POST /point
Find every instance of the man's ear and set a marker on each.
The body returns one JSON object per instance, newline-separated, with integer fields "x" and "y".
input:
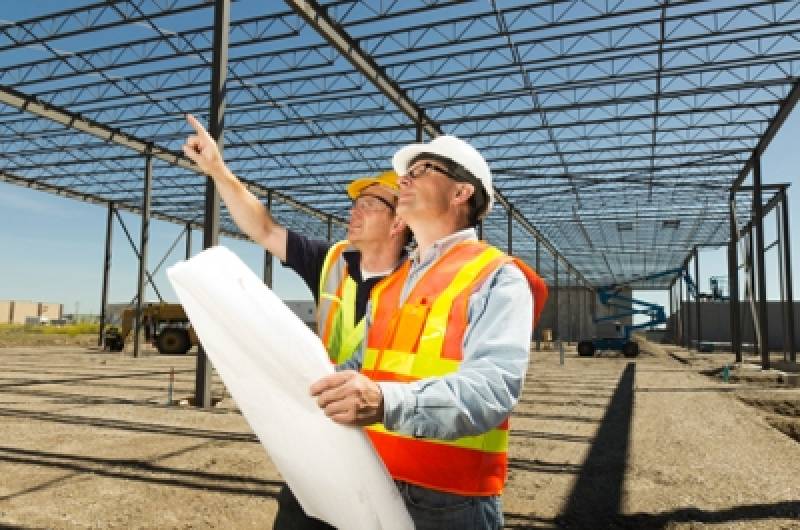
{"x": 464, "y": 191}
{"x": 398, "y": 226}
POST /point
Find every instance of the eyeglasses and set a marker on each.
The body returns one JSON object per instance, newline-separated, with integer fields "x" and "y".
{"x": 371, "y": 203}
{"x": 420, "y": 170}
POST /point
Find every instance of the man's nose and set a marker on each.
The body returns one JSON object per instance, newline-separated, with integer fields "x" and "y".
{"x": 404, "y": 179}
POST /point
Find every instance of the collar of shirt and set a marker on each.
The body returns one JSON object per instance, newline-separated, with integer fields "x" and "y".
{"x": 352, "y": 257}
{"x": 440, "y": 246}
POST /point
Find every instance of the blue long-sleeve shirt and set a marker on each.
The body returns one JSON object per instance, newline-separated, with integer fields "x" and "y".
{"x": 482, "y": 392}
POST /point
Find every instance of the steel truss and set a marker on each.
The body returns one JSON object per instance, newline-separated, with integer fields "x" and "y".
{"x": 615, "y": 131}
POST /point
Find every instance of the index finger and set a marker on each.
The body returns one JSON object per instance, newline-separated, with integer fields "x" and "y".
{"x": 198, "y": 127}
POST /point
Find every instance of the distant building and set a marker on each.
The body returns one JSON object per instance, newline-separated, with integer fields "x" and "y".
{"x": 22, "y": 311}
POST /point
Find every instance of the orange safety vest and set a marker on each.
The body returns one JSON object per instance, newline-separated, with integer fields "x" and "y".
{"x": 336, "y": 306}
{"x": 424, "y": 337}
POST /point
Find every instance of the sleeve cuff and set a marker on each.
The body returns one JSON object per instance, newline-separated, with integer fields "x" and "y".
{"x": 399, "y": 404}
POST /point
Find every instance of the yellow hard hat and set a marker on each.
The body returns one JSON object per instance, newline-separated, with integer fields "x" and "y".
{"x": 387, "y": 178}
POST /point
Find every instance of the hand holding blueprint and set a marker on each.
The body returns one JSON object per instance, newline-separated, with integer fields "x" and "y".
{"x": 268, "y": 359}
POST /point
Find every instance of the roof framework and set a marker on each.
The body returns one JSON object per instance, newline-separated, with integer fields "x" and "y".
{"x": 615, "y": 130}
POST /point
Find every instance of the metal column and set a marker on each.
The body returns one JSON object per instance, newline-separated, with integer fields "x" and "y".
{"x": 143, "y": 244}
{"x": 787, "y": 265}
{"x": 733, "y": 286}
{"x": 188, "y": 240}
{"x": 537, "y": 333}
{"x": 697, "y": 318}
{"x": 330, "y": 228}
{"x": 671, "y": 314}
{"x": 219, "y": 68}
{"x": 267, "y": 254}
{"x": 758, "y": 214}
{"x": 510, "y": 230}
{"x": 556, "y": 336}
{"x": 106, "y": 272}
{"x": 569, "y": 305}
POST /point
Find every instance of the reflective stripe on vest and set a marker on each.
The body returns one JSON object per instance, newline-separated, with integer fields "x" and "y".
{"x": 336, "y": 308}
{"x": 424, "y": 338}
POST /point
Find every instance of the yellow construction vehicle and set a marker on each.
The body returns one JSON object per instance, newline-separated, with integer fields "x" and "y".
{"x": 165, "y": 325}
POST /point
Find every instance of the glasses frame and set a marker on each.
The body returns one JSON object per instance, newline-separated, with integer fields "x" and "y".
{"x": 418, "y": 172}
{"x": 386, "y": 203}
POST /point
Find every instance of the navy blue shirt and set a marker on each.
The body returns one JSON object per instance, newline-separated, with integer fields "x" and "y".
{"x": 307, "y": 256}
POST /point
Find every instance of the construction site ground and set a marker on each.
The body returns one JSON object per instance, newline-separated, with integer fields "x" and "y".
{"x": 88, "y": 440}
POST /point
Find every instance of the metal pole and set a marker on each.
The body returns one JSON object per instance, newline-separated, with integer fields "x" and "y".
{"x": 267, "y": 254}
{"x": 751, "y": 241}
{"x": 758, "y": 212}
{"x": 330, "y": 228}
{"x": 188, "y": 240}
{"x": 480, "y": 230}
{"x": 569, "y": 305}
{"x": 698, "y": 327}
{"x": 510, "y": 230}
{"x": 143, "y": 244}
{"x": 787, "y": 260}
{"x": 537, "y": 333}
{"x": 556, "y": 335}
{"x": 106, "y": 273}
{"x": 733, "y": 287}
{"x": 219, "y": 68}
{"x": 670, "y": 316}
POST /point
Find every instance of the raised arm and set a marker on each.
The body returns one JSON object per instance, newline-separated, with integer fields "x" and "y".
{"x": 250, "y": 215}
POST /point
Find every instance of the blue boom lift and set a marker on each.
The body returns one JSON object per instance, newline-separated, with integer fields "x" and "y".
{"x": 610, "y": 296}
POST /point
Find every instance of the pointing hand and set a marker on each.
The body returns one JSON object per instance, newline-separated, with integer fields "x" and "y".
{"x": 201, "y": 148}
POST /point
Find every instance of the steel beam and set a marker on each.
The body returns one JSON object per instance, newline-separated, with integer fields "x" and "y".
{"x": 787, "y": 267}
{"x": 698, "y": 319}
{"x": 106, "y": 273}
{"x": 267, "y": 253}
{"x": 758, "y": 220}
{"x": 144, "y": 243}
{"x": 733, "y": 287}
{"x": 219, "y": 67}
{"x": 188, "y": 240}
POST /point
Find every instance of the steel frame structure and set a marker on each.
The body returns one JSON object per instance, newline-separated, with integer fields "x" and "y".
{"x": 617, "y": 132}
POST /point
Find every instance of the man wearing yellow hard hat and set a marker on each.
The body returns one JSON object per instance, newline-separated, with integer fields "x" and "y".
{"x": 340, "y": 275}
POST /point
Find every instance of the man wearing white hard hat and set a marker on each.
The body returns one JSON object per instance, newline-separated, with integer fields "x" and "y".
{"x": 447, "y": 346}
{"x": 340, "y": 275}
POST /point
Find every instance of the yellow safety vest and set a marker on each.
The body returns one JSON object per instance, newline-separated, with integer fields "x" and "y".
{"x": 336, "y": 307}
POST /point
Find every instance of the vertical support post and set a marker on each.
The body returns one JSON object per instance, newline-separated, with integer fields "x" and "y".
{"x": 687, "y": 332}
{"x": 752, "y": 289}
{"x": 697, "y": 318}
{"x": 556, "y": 306}
{"x": 510, "y": 230}
{"x": 330, "y": 228}
{"x": 267, "y": 254}
{"x": 143, "y": 244}
{"x": 480, "y": 229}
{"x": 106, "y": 273}
{"x": 787, "y": 266}
{"x": 188, "y": 240}
{"x": 537, "y": 333}
{"x": 219, "y": 68}
{"x": 420, "y": 129}
{"x": 758, "y": 221}
{"x": 569, "y": 305}
{"x": 670, "y": 313}
{"x": 733, "y": 285}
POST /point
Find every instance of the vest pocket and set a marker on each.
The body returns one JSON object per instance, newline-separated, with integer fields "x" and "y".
{"x": 409, "y": 327}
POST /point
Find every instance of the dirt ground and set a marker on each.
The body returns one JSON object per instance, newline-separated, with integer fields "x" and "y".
{"x": 87, "y": 440}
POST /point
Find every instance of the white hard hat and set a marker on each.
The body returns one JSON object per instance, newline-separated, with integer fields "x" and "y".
{"x": 457, "y": 151}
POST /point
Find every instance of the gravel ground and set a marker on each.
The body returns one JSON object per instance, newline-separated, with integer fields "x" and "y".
{"x": 87, "y": 441}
